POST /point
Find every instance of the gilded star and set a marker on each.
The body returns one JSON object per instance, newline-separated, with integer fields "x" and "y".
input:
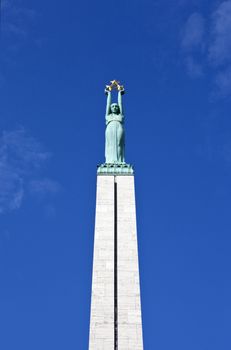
{"x": 115, "y": 82}
{"x": 108, "y": 87}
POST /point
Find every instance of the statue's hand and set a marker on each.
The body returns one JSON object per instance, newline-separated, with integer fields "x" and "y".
{"x": 121, "y": 90}
{"x": 107, "y": 91}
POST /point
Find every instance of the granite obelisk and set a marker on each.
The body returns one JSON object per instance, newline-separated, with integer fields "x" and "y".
{"x": 115, "y": 322}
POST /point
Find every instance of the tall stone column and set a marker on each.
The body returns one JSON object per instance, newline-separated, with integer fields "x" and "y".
{"x": 115, "y": 322}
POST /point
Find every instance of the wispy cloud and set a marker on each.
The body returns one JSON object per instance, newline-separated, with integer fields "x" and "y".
{"x": 22, "y": 150}
{"x": 17, "y": 30}
{"x": 193, "y": 32}
{"x": 220, "y": 45}
{"x": 223, "y": 82}
{"x": 11, "y": 188}
{"x": 21, "y": 157}
{"x": 212, "y": 50}
{"x": 16, "y": 20}
{"x": 219, "y": 52}
{"x": 192, "y": 44}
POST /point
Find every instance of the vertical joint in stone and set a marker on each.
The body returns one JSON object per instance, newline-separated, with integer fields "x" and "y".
{"x": 115, "y": 270}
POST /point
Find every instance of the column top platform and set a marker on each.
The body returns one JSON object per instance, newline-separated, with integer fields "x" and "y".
{"x": 115, "y": 169}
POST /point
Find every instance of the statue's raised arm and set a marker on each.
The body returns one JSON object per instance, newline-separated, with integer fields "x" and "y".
{"x": 120, "y": 104}
{"x": 108, "y": 106}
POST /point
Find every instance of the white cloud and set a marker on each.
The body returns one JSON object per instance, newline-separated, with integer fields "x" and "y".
{"x": 220, "y": 46}
{"x": 11, "y": 188}
{"x": 23, "y": 151}
{"x": 223, "y": 82}
{"x": 211, "y": 51}
{"x": 14, "y": 29}
{"x": 193, "y": 32}
{"x": 21, "y": 156}
{"x": 192, "y": 44}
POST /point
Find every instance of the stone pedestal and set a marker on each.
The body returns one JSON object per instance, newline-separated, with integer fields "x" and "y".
{"x": 115, "y": 322}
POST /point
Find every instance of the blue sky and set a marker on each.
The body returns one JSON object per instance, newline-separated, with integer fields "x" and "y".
{"x": 174, "y": 59}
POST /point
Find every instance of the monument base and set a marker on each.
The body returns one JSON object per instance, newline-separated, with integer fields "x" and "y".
{"x": 115, "y": 169}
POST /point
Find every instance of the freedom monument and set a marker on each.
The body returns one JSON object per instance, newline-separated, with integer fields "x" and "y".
{"x": 115, "y": 322}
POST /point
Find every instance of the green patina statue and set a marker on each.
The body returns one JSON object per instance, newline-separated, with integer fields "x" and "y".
{"x": 114, "y": 135}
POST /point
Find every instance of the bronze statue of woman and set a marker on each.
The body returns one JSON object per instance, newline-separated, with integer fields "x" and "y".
{"x": 114, "y": 135}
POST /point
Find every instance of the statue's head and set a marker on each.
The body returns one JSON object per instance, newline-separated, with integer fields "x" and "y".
{"x": 115, "y": 108}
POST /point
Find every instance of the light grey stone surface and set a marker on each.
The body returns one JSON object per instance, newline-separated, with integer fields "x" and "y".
{"x": 102, "y": 304}
{"x": 102, "y": 299}
{"x": 129, "y": 308}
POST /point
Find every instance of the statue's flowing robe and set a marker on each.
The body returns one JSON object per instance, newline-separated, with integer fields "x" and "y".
{"x": 114, "y": 147}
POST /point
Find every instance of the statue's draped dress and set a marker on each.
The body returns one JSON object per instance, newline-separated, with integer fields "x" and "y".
{"x": 114, "y": 148}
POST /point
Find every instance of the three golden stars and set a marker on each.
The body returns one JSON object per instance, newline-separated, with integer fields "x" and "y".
{"x": 115, "y": 84}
